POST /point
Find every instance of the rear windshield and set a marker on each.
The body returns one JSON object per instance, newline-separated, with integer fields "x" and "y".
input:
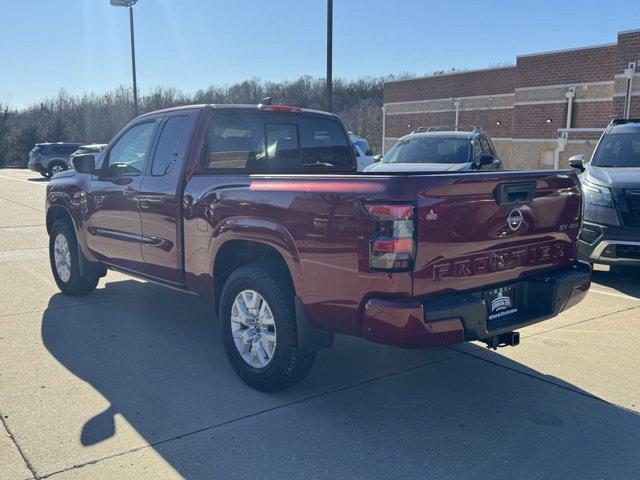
{"x": 278, "y": 143}
{"x": 430, "y": 150}
{"x": 618, "y": 150}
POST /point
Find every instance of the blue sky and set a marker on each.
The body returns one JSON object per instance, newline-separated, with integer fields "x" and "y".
{"x": 83, "y": 45}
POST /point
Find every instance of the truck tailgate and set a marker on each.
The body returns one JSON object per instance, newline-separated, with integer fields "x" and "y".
{"x": 486, "y": 228}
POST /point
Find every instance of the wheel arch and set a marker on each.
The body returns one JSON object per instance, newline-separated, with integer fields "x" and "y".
{"x": 88, "y": 264}
{"x": 57, "y": 212}
{"x": 235, "y": 253}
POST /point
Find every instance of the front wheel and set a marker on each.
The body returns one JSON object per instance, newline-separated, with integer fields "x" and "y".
{"x": 259, "y": 328}
{"x": 63, "y": 255}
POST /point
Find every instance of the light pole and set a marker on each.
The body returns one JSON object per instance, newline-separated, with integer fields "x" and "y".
{"x": 329, "y": 55}
{"x": 129, "y": 4}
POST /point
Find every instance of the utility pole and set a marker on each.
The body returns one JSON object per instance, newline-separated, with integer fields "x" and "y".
{"x": 133, "y": 63}
{"x": 129, "y": 4}
{"x": 329, "y": 55}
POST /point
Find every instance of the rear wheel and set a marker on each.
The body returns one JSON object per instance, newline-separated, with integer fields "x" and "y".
{"x": 56, "y": 167}
{"x": 259, "y": 328}
{"x": 63, "y": 255}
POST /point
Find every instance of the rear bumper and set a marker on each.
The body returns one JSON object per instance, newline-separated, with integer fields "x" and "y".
{"x": 609, "y": 245}
{"x": 35, "y": 166}
{"x": 455, "y": 318}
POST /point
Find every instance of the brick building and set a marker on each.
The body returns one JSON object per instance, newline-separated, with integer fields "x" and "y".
{"x": 539, "y": 112}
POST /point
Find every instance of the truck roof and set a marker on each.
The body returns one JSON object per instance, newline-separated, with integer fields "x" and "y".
{"x": 57, "y": 143}
{"x": 235, "y": 108}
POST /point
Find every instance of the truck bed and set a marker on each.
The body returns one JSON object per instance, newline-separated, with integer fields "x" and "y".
{"x": 318, "y": 223}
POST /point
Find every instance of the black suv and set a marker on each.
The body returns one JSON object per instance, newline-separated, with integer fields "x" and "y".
{"x": 438, "y": 149}
{"x": 610, "y": 232}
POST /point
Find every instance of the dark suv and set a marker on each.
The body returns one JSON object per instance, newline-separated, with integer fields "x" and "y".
{"x": 438, "y": 149}
{"x": 611, "y": 183}
{"x": 51, "y": 158}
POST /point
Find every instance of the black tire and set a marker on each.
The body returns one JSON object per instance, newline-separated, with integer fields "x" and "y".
{"x": 52, "y": 166}
{"x": 288, "y": 366}
{"x": 75, "y": 284}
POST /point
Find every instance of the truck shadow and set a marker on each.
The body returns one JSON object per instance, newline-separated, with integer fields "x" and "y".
{"x": 156, "y": 356}
{"x": 627, "y": 281}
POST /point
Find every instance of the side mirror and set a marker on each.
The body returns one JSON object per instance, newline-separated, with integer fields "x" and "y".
{"x": 486, "y": 159}
{"x": 577, "y": 162}
{"x": 84, "y": 163}
{"x": 377, "y": 158}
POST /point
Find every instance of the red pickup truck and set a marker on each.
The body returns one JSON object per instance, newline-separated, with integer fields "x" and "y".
{"x": 261, "y": 209}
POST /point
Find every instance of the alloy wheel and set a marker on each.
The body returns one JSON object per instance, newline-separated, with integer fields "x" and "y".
{"x": 56, "y": 169}
{"x": 62, "y": 257}
{"x": 253, "y": 328}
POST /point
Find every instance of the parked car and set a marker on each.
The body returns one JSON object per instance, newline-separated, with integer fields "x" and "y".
{"x": 51, "y": 158}
{"x": 611, "y": 184}
{"x": 261, "y": 209}
{"x": 93, "y": 148}
{"x": 364, "y": 156}
{"x": 434, "y": 150}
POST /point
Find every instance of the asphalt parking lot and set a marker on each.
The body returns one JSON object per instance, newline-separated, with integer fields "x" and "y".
{"x": 131, "y": 382}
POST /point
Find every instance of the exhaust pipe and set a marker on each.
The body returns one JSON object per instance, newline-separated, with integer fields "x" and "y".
{"x": 505, "y": 339}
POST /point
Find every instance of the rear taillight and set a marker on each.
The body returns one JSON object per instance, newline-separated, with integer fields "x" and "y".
{"x": 393, "y": 246}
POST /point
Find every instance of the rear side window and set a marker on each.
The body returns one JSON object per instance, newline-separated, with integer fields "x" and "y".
{"x": 234, "y": 141}
{"x": 279, "y": 144}
{"x": 169, "y": 145}
{"x": 63, "y": 149}
{"x": 324, "y": 144}
{"x": 56, "y": 149}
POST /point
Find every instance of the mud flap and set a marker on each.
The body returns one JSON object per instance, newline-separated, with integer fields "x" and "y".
{"x": 90, "y": 269}
{"x": 310, "y": 338}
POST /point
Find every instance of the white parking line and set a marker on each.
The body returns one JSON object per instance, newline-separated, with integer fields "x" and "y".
{"x": 26, "y": 254}
{"x": 23, "y": 180}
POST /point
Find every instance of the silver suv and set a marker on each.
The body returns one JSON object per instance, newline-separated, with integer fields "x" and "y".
{"x": 51, "y": 158}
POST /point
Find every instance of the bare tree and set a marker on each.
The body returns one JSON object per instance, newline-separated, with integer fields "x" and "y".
{"x": 97, "y": 117}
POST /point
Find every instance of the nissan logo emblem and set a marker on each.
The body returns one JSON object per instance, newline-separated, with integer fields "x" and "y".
{"x": 515, "y": 219}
